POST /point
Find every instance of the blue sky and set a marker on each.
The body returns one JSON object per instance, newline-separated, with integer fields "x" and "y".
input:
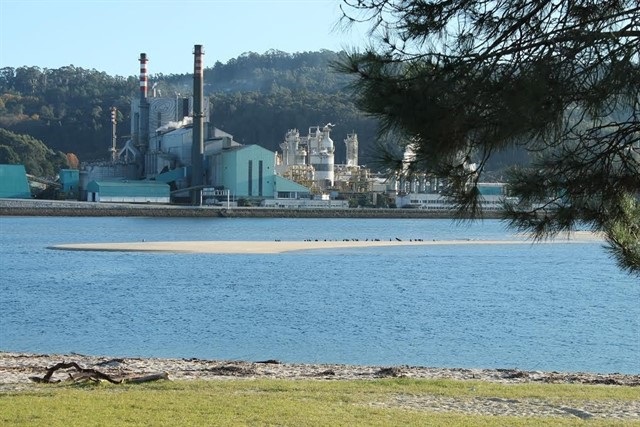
{"x": 109, "y": 35}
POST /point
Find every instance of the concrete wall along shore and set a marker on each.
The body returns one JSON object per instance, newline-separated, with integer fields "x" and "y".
{"x": 13, "y": 207}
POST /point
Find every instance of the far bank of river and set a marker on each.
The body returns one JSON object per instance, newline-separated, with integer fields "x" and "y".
{"x": 18, "y": 207}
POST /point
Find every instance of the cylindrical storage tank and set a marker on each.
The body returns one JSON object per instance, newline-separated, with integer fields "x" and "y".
{"x": 322, "y": 159}
{"x": 323, "y": 164}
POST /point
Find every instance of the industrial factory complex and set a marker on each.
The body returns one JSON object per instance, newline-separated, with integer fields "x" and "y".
{"x": 176, "y": 156}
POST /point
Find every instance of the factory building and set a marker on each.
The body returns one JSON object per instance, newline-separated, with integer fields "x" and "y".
{"x": 315, "y": 150}
{"x": 174, "y": 144}
{"x": 69, "y": 183}
{"x": 13, "y": 182}
{"x": 310, "y": 161}
{"x": 493, "y": 196}
{"x": 246, "y": 171}
{"x": 128, "y": 192}
{"x": 106, "y": 171}
{"x": 426, "y": 191}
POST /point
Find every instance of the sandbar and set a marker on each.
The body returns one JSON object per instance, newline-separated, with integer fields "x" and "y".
{"x": 277, "y": 247}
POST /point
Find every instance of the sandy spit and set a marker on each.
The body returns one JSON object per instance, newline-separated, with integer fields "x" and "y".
{"x": 275, "y": 247}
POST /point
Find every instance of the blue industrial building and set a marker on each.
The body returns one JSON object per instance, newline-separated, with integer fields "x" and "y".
{"x": 70, "y": 183}
{"x": 247, "y": 171}
{"x": 128, "y": 191}
{"x": 13, "y": 182}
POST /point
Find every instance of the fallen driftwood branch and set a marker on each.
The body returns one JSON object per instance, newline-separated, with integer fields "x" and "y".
{"x": 147, "y": 378}
{"x": 94, "y": 375}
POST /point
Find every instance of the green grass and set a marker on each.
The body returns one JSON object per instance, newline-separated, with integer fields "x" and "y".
{"x": 285, "y": 403}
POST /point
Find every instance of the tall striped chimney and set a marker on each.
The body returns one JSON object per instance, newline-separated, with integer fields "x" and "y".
{"x": 197, "y": 147}
{"x": 144, "y": 104}
{"x": 143, "y": 76}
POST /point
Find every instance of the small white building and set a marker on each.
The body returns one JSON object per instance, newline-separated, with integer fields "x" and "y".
{"x": 493, "y": 196}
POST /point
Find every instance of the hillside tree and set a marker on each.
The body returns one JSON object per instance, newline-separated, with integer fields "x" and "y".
{"x": 462, "y": 80}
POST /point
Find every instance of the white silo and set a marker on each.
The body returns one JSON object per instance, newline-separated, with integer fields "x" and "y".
{"x": 322, "y": 154}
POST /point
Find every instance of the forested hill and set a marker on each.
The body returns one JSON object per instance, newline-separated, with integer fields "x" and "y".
{"x": 255, "y": 97}
{"x": 66, "y": 108}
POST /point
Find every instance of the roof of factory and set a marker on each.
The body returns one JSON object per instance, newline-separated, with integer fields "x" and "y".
{"x": 284, "y": 184}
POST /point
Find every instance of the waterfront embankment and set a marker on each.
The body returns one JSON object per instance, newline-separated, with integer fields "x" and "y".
{"x": 26, "y": 207}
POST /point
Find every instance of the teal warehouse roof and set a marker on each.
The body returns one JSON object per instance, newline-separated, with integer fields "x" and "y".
{"x": 13, "y": 182}
{"x": 286, "y": 185}
{"x": 129, "y": 188}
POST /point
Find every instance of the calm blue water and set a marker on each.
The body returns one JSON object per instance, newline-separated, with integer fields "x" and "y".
{"x": 559, "y": 307}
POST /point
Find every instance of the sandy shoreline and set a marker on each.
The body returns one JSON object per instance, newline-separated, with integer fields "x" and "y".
{"x": 16, "y": 368}
{"x": 275, "y": 247}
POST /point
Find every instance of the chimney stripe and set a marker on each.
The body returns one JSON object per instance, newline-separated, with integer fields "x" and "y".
{"x": 143, "y": 75}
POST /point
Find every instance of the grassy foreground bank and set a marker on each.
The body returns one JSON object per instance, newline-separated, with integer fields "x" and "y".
{"x": 318, "y": 403}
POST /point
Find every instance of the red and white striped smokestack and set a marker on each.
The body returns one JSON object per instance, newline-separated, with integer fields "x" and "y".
{"x": 143, "y": 75}
{"x": 197, "y": 60}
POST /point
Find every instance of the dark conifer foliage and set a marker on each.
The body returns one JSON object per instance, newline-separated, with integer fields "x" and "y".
{"x": 463, "y": 80}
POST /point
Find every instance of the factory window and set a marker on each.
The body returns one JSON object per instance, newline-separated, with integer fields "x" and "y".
{"x": 250, "y": 179}
{"x": 260, "y": 178}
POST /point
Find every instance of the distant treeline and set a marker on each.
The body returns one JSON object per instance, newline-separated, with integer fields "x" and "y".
{"x": 255, "y": 97}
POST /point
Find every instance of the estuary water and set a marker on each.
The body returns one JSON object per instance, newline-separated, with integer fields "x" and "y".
{"x": 559, "y": 306}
